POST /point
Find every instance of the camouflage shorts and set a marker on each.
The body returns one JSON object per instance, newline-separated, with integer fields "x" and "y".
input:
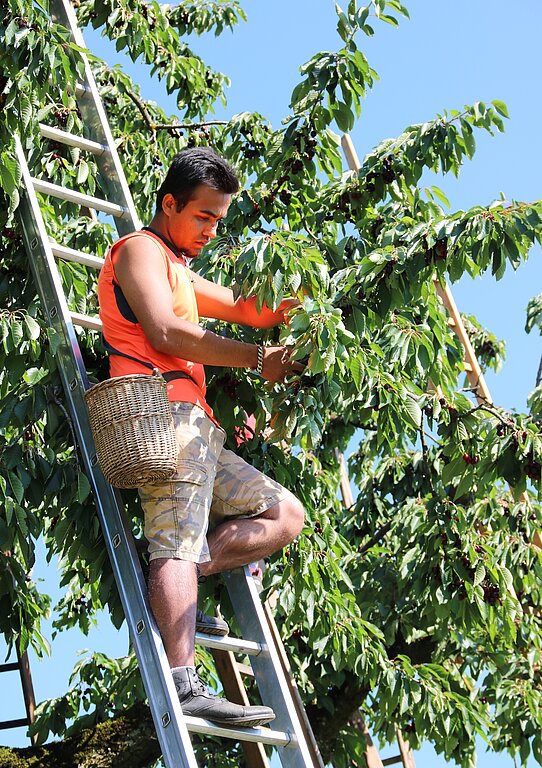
{"x": 211, "y": 485}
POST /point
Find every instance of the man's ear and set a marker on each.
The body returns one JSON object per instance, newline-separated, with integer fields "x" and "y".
{"x": 169, "y": 204}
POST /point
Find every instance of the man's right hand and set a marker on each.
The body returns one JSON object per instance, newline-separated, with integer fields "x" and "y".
{"x": 277, "y": 364}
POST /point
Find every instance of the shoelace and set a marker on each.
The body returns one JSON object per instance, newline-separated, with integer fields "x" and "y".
{"x": 197, "y": 685}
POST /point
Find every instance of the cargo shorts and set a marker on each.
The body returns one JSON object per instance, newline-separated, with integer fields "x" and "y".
{"x": 211, "y": 485}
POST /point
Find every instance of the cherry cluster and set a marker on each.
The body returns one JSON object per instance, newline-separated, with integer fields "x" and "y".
{"x": 532, "y": 468}
{"x": 252, "y": 147}
{"x": 491, "y": 593}
{"x": 11, "y": 234}
{"x": 488, "y": 349}
{"x": 458, "y": 585}
{"x": 318, "y": 527}
{"x": 344, "y": 203}
{"x": 385, "y": 174}
{"x": 229, "y": 383}
{"x": 437, "y": 252}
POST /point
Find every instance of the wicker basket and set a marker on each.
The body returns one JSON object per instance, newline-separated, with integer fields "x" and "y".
{"x": 133, "y": 429}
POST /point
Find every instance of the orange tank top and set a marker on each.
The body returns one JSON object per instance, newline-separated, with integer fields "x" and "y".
{"x": 128, "y": 347}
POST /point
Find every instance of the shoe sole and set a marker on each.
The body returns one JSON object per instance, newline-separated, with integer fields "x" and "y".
{"x": 243, "y": 722}
{"x": 214, "y": 631}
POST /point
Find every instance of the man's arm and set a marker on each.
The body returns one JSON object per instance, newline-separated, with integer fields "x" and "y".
{"x": 141, "y": 274}
{"x": 218, "y": 302}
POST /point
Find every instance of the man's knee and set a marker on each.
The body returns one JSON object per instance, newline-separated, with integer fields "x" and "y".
{"x": 293, "y": 516}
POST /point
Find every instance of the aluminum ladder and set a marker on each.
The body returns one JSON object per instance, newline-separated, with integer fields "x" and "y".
{"x": 291, "y": 735}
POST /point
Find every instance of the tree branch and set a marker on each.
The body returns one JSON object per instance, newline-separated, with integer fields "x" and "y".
{"x": 376, "y": 538}
{"x": 152, "y": 126}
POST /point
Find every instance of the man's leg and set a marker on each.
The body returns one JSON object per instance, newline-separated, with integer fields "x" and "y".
{"x": 245, "y": 540}
{"x": 175, "y": 524}
{"x": 173, "y": 595}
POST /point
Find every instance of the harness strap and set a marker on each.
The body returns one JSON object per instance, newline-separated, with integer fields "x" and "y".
{"x": 167, "y": 375}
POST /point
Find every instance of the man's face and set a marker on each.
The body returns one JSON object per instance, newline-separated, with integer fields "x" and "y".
{"x": 191, "y": 228}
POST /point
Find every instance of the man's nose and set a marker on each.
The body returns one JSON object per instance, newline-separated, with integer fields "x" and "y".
{"x": 210, "y": 229}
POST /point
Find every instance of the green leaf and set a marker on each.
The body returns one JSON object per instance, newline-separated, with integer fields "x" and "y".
{"x": 452, "y": 470}
{"x": 83, "y": 487}
{"x": 413, "y": 412}
{"x": 501, "y": 107}
{"x": 16, "y": 486}
{"x": 479, "y": 575}
{"x": 34, "y": 329}
{"x": 356, "y": 371}
{"x": 33, "y": 375}
{"x": 82, "y": 172}
{"x": 440, "y": 195}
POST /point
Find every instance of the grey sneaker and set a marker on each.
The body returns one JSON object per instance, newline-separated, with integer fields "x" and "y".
{"x": 197, "y": 701}
{"x": 211, "y": 625}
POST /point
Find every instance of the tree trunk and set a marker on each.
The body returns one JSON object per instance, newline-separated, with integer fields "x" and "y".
{"x": 127, "y": 741}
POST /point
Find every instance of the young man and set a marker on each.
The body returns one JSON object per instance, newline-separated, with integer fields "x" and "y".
{"x": 150, "y": 304}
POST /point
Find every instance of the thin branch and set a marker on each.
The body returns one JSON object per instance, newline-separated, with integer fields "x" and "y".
{"x": 422, "y": 439}
{"x": 140, "y": 104}
{"x": 376, "y": 538}
{"x": 152, "y": 126}
{"x": 188, "y": 126}
{"x": 69, "y": 421}
{"x": 487, "y": 407}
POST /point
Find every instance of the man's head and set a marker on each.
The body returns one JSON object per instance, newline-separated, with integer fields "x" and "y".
{"x": 190, "y": 169}
{"x": 193, "y": 198}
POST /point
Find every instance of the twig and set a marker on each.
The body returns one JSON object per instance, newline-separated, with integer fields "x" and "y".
{"x": 140, "y": 104}
{"x": 376, "y": 538}
{"x": 70, "y": 426}
{"x": 422, "y": 439}
{"x": 188, "y": 126}
{"x": 152, "y": 126}
{"x": 486, "y": 407}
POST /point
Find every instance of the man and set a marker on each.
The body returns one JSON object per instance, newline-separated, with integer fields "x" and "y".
{"x": 150, "y": 304}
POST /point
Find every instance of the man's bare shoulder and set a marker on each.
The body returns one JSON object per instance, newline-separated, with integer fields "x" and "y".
{"x": 139, "y": 244}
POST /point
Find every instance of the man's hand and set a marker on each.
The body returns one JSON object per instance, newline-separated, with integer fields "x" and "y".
{"x": 277, "y": 364}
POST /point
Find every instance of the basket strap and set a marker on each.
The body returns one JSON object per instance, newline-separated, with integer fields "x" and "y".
{"x": 167, "y": 375}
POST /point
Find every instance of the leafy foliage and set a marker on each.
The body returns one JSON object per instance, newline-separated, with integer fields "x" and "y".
{"x": 419, "y": 606}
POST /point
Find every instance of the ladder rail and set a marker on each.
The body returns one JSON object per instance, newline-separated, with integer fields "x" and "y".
{"x": 164, "y": 704}
{"x": 93, "y": 116}
{"x": 273, "y": 687}
{"x": 21, "y": 666}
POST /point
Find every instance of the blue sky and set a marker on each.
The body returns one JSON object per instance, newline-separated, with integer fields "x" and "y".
{"x": 449, "y": 54}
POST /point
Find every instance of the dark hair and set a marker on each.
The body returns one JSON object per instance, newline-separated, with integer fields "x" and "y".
{"x": 192, "y": 167}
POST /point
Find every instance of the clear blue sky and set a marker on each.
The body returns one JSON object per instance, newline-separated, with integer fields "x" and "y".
{"x": 449, "y": 54}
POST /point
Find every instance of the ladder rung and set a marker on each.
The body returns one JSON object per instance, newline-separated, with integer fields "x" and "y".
{"x": 5, "y": 724}
{"x": 87, "y": 201}
{"x": 72, "y": 140}
{"x": 71, "y": 254}
{"x": 392, "y": 760}
{"x": 12, "y": 666}
{"x": 86, "y": 321}
{"x": 245, "y": 669}
{"x": 468, "y": 366}
{"x": 451, "y": 322}
{"x": 263, "y": 735}
{"x": 233, "y": 644}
